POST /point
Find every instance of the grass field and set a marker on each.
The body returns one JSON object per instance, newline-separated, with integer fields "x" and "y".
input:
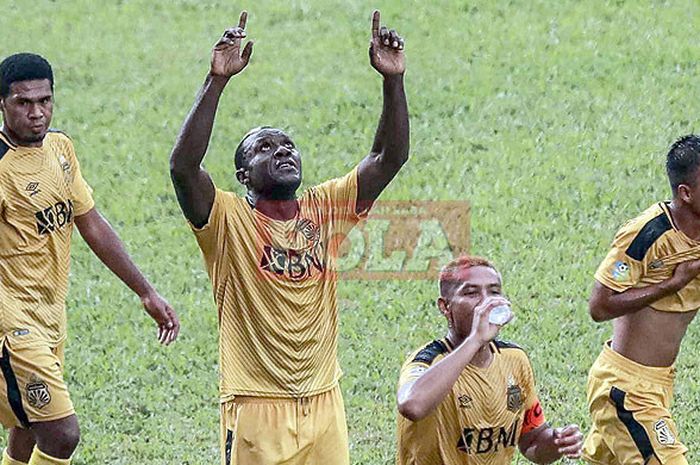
{"x": 552, "y": 118}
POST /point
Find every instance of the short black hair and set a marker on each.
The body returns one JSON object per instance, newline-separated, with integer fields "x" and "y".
{"x": 683, "y": 161}
{"x": 239, "y": 157}
{"x": 23, "y": 67}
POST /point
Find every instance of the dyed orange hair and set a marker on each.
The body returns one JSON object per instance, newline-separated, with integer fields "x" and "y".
{"x": 450, "y": 273}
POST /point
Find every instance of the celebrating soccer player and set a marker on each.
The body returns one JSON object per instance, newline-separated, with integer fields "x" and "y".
{"x": 42, "y": 194}
{"x": 468, "y": 397}
{"x": 271, "y": 259}
{"x": 649, "y": 286}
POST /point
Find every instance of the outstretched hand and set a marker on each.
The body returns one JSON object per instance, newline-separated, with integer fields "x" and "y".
{"x": 569, "y": 440}
{"x": 226, "y": 58}
{"x": 386, "y": 49}
{"x": 164, "y": 315}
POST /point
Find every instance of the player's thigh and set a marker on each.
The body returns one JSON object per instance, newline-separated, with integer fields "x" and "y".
{"x": 259, "y": 433}
{"x": 330, "y": 441}
{"x": 34, "y": 389}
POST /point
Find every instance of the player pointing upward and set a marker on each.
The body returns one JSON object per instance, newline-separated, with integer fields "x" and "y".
{"x": 271, "y": 259}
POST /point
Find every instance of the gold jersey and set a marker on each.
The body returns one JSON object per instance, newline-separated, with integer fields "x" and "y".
{"x": 645, "y": 251}
{"x": 483, "y": 416}
{"x": 274, "y": 284}
{"x": 41, "y": 191}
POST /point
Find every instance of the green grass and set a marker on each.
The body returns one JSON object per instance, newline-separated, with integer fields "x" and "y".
{"x": 551, "y": 118}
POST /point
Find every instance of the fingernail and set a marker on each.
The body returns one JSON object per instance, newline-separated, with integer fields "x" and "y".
{"x": 386, "y": 42}
{"x": 395, "y": 44}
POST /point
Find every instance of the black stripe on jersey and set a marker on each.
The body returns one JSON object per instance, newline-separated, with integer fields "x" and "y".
{"x": 647, "y": 236}
{"x": 229, "y": 446}
{"x": 4, "y": 147}
{"x": 58, "y": 131}
{"x": 14, "y": 396}
{"x": 429, "y": 352}
{"x": 506, "y": 345}
{"x": 636, "y": 430}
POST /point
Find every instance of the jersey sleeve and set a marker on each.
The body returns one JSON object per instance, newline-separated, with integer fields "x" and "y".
{"x": 533, "y": 417}
{"x": 619, "y": 271}
{"x": 340, "y": 195}
{"x": 81, "y": 192}
{"x": 211, "y": 236}
{"x": 411, "y": 371}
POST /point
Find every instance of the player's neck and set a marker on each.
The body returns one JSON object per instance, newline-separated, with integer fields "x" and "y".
{"x": 685, "y": 219}
{"x": 12, "y": 137}
{"x": 277, "y": 209}
{"x": 482, "y": 358}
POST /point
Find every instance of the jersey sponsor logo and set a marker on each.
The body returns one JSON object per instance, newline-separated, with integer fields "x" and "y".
{"x": 38, "y": 393}
{"x": 293, "y": 264}
{"x": 620, "y": 271}
{"x": 54, "y": 217}
{"x": 514, "y": 396}
{"x": 465, "y": 401}
{"x": 485, "y": 440}
{"x": 32, "y": 188}
{"x": 664, "y": 434}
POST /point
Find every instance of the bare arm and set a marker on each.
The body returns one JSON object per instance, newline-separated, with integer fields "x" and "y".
{"x": 417, "y": 399}
{"x": 193, "y": 185}
{"x": 546, "y": 445}
{"x": 606, "y": 304}
{"x": 105, "y": 243}
{"x": 391, "y": 142}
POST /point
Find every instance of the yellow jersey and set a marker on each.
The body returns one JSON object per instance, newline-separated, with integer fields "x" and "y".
{"x": 41, "y": 191}
{"x": 483, "y": 416}
{"x": 274, "y": 284}
{"x": 645, "y": 251}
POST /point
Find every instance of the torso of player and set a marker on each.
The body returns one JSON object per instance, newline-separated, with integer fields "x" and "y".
{"x": 652, "y": 336}
{"x": 480, "y": 421}
{"x": 36, "y": 222}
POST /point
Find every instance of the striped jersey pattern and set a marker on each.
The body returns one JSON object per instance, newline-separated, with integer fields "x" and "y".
{"x": 646, "y": 251}
{"x": 41, "y": 192}
{"x": 274, "y": 284}
{"x": 481, "y": 419}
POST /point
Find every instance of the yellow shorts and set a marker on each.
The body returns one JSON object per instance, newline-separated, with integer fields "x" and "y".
{"x": 629, "y": 406}
{"x": 32, "y": 387}
{"x": 265, "y": 431}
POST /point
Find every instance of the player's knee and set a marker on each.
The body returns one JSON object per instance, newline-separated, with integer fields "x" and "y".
{"x": 58, "y": 438}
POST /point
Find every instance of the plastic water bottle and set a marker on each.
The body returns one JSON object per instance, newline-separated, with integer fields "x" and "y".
{"x": 500, "y": 315}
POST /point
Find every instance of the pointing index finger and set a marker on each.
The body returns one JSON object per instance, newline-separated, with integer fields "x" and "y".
{"x": 243, "y": 19}
{"x": 375, "y": 24}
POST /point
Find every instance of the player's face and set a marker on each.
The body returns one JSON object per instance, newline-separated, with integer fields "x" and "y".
{"x": 273, "y": 163}
{"x": 476, "y": 284}
{"x": 27, "y": 111}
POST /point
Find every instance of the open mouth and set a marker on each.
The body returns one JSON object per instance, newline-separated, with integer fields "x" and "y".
{"x": 286, "y": 165}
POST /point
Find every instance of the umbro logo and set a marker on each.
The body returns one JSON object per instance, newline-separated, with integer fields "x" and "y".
{"x": 32, "y": 188}
{"x": 465, "y": 401}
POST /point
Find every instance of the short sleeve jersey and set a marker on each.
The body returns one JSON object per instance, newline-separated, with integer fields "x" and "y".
{"x": 41, "y": 191}
{"x": 482, "y": 418}
{"x": 645, "y": 251}
{"x": 274, "y": 284}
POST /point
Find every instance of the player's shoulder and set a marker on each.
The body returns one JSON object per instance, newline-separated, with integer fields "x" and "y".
{"x": 429, "y": 352}
{"x": 643, "y": 231}
{"x": 5, "y": 145}
{"x": 509, "y": 349}
{"x": 54, "y": 134}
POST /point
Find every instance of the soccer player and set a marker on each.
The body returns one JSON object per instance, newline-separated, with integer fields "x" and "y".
{"x": 648, "y": 285}
{"x": 42, "y": 195}
{"x": 271, "y": 257}
{"x": 469, "y": 398}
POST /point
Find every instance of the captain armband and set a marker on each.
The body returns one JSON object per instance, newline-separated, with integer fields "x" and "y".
{"x": 533, "y": 418}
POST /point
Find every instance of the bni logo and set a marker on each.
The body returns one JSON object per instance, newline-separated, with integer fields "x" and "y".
{"x": 32, "y": 188}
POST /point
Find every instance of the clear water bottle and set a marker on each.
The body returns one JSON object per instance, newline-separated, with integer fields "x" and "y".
{"x": 500, "y": 315}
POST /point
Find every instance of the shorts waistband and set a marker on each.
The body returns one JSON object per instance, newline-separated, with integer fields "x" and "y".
{"x": 280, "y": 400}
{"x": 661, "y": 375}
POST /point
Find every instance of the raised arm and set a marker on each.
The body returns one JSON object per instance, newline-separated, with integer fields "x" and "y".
{"x": 391, "y": 142}
{"x": 606, "y": 304}
{"x": 193, "y": 186}
{"x": 105, "y": 243}
{"x": 417, "y": 399}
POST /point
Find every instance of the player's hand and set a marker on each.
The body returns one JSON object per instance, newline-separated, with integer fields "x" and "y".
{"x": 386, "y": 49}
{"x": 164, "y": 315}
{"x": 226, "y": 57}
{"x": 685, "y": 272}
{"x": 569, "y": 441}
{"x": 482, "y": 330}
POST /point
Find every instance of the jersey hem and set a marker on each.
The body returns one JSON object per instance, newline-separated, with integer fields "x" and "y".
{"x": 231, "y": 395}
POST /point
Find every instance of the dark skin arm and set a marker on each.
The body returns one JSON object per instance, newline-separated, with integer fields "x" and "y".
{"x": 607, "y": 304}
{"x": 105, "y": 243}
{"x": 545, "y": 444}
{"x": 391, "y": 142}
{"x": 193, "y": 185}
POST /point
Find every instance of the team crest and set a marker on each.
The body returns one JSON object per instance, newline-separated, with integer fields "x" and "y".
{"x": 38, "y": 393}
{"x": 663, "y": 433}
{"x": 308, "y": 229}
{"x": 514, "y": 396}
{"x": 620, "y": 271}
